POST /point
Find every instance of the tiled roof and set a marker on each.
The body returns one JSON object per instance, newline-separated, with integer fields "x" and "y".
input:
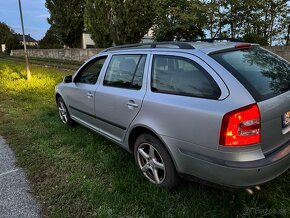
{"x": 28, "y": 38}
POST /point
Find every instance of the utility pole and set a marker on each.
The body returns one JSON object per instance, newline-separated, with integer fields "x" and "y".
{"x": 24, "y": 43}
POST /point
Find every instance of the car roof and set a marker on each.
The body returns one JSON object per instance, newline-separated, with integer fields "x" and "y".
{"x": 205, "y": 47}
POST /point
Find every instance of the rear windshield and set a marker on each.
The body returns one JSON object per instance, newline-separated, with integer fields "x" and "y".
{"x": 263, "y": 74}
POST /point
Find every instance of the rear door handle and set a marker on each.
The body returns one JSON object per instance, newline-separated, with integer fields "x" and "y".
{"x": 132, "y": 104}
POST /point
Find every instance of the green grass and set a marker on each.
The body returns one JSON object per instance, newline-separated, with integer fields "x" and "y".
{"x": 74, "y": 172}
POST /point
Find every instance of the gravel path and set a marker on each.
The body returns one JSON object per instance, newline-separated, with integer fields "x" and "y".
{"x": 15, "y": 197}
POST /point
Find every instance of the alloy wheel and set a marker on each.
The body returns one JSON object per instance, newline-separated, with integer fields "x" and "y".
{"x": 62, "y": 112}
{"x": 151, "y": 163}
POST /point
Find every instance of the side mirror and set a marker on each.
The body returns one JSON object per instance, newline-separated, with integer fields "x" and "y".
{"x": 67, "y": 79}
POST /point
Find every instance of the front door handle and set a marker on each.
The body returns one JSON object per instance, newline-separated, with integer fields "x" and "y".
{"x": 90, "y": 95}
{"x": 131, "y": 104}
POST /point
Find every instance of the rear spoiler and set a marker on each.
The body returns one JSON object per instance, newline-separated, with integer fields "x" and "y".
{"x": 234, "y": 47}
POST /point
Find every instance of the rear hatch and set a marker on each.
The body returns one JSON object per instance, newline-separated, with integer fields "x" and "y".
{"x": 267, "y": 78}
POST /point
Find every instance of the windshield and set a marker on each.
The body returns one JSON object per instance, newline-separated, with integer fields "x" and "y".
{"x": 263, "y": 74}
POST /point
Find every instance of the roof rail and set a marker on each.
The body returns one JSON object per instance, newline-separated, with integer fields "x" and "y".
{"x": 181, "y": 45}
{"x": 219, "y": 39}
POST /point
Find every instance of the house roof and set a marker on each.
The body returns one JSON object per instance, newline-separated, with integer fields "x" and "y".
{"x": 28, "y": 38}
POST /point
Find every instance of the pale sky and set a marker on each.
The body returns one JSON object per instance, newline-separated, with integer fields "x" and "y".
{"x": 34, "y": 14}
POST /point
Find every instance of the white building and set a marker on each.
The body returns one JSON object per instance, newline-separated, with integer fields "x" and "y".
{"x": 87, "y": 41}
{"x": 3, "y": 48}
{"x": 148, "y": 37}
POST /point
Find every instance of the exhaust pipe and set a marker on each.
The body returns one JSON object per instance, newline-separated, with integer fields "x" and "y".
{"x": 249, "y": 191}
{"x": 258, "y": 188}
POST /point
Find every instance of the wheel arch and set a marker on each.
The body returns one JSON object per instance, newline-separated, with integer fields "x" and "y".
{"x": 136, "y": 131}
{"x": 57, "y": 96}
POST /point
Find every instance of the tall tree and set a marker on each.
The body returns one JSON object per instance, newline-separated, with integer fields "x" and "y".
{"x": 264, "y": 19}
{"x": 179, "y": 19}
{"x": 279, "y": 9}
{"x": 261, "y": 21}
{"x": 118, "y": 21}
{"x": 66, "y": 18}
{"x": 285, "y": 35}
{"x": 228, "y": 18}
{"x": 50, "y": 40}
{"x": 5, "y": 31}
{"x": 8, "y": 38}
{"x": 213, "y": 16}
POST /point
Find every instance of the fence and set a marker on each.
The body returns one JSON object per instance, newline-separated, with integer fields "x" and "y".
{"x": 283, "y": 51}
{"x": 62, "y": 54}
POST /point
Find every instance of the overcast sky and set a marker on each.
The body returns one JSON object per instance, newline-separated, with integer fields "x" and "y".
{"x": 34, "y": 13}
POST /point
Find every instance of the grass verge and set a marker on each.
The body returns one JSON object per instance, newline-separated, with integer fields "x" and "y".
{"x": 77, "y": 173}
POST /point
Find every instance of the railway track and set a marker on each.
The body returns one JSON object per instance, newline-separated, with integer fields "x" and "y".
{"x": 45, "y": 62}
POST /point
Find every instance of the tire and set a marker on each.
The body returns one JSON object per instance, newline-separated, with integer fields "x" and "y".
{"x": 63, "y": 113}
{"x": 154, "y": 161}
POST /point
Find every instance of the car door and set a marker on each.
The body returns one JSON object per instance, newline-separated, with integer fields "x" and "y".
{"x": 120, "y": 95}
{"x": 81, "y": 93}
{"x": 182, "y": 93}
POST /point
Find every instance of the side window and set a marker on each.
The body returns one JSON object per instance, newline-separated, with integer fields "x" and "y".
{"x": 125, "y": 71}
{"x": 91, "y": 72}
{"x": 182, "y": 76}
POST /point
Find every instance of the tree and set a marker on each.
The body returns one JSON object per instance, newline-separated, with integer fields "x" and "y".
{"x": 8, "y": 38}
{"x": 179, "y": 19}
{"x": 98, "y": 21}
{"x": 263, "y": 21}
{"x": 213, "y": 16}
{"x": 66, "y": 18}
{"x": 255, "y": 38}
{"x": 50, "y": 40}
{"x": 118, "y": 21}
{"x": 5, "y": 31}
{"x": 269, "y": 24}
{"x": 286, "y": 32}
{"x": 229, "y": 18}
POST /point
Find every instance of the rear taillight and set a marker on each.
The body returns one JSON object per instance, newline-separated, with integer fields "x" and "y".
{"x": 241, "y": 127}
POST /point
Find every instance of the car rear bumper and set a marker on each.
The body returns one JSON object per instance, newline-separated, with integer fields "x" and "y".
{"x": 233, "y": 174}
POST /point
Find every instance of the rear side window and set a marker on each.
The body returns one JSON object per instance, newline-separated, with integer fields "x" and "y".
{"x": 182, "y": 76}
{"x": 263, "y": 74}
{"x": 125, "y": 71}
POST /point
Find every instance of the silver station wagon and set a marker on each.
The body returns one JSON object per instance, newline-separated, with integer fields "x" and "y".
{"x": 216, "y": 110}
